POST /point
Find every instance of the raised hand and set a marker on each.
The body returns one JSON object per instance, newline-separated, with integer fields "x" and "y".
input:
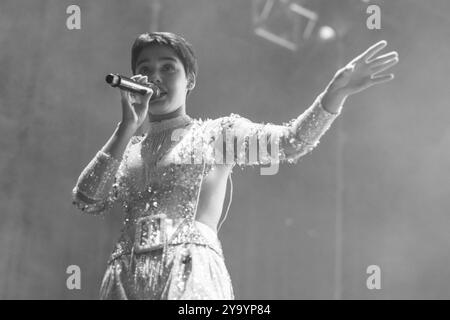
{"x": 364, "y": 71}
{"x": 135, "y": 106}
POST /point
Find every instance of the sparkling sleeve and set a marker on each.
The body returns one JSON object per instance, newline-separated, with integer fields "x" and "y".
{"x": 304, "y": 132}
{"x": 238, "y": 140}
{"x": 96, "y": 191}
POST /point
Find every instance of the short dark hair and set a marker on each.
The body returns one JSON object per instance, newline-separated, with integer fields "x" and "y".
{"x": 182, "y": 48}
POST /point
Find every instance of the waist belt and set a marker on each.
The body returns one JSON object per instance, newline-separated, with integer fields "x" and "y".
{"x": 152, "y": 234}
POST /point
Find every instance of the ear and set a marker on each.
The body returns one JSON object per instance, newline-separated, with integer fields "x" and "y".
{"x": 191, "y": 82}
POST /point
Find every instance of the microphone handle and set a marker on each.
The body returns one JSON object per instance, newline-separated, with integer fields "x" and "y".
{"x": 128, "y": 84}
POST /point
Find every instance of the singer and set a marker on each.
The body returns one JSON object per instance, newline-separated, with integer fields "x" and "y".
{"x": 168, "y": 247}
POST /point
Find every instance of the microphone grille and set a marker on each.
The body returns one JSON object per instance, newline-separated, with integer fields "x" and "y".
{"x": 112, "y": 79}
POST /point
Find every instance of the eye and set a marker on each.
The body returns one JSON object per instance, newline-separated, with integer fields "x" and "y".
{"x": 144, "y": 70}
{"x": 168, "y": 67}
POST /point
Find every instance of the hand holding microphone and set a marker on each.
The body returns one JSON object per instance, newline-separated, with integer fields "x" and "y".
{"x": 130, "y": 84}
{"x": 136, "y": 93}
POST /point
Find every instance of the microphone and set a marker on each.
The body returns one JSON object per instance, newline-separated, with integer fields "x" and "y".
{"x": 124, "y": 83}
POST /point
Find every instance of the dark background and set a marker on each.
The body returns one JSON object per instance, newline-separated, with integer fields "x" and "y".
{"x": 375, "y": 191}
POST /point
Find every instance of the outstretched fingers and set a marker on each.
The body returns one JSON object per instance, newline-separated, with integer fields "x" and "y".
{"x": 382, "y": 66}
{"x": 369, "y": 53}
{"x": 381, "y": 59}
{"x": 381, "y": 78}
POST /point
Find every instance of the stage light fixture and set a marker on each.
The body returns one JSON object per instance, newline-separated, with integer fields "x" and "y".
{"x": 283, "y": 22}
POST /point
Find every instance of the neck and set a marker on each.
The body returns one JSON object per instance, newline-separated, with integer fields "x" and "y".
{"x": 158, "y": 117}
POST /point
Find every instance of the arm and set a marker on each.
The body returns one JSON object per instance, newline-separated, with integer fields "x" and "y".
{"x": 238, "y": 140}
{"x": 291, "y": 141}
{"x": 358, "y": 75}
{"x": 94, "y": 191}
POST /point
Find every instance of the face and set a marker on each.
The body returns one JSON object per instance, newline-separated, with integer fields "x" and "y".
{"x": 163, "y": 67}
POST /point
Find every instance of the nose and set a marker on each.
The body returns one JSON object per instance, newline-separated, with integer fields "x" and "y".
{"x": 154, "y": 78}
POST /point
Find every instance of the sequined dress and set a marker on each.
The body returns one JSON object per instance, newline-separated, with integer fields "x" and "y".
{"x": 162, "y": 251}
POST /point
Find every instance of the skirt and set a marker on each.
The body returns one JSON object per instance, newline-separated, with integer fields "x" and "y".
{"x": 187, "y": 271}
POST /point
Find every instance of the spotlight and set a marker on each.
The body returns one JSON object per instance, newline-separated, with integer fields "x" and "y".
{"x": 327, "y": 33}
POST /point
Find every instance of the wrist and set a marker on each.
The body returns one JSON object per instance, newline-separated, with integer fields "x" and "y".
{"x": 333, "y": 99}
{"x": 126, "y": 128}
{"x": 336, "y": 92}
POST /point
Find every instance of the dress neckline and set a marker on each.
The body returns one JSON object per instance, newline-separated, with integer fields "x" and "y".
{"x": 166, "y": 124}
